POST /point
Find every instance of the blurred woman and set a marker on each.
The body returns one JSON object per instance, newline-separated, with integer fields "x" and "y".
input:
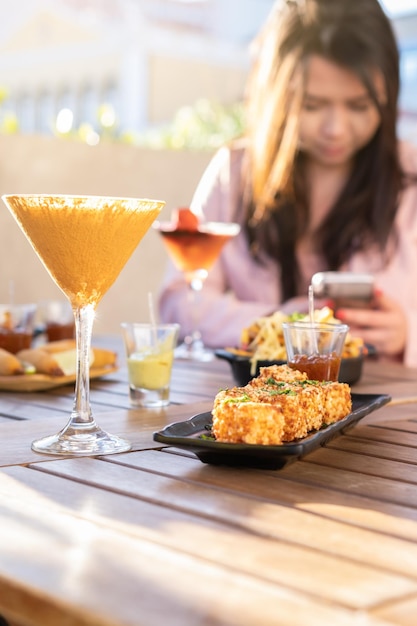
{"x": 319, "y": 182}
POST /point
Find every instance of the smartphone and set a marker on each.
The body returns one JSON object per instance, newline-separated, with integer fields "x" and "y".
{"x": 346, "y": 289}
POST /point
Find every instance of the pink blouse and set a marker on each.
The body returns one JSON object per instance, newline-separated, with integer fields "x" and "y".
{"x": 239, "y": 289}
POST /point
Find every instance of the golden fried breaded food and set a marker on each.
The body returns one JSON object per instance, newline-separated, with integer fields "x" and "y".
{"x": 278, "y": 406}
{"x": 9, "y": 364}
{"x": 336, "y": 400}
{"x": 44, "y": 362}
{"x": 240, "y": 420}
{"x": 282, "y": 373}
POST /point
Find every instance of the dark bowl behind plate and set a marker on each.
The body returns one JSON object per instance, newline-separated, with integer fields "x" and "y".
{"x": 350, "y": 368}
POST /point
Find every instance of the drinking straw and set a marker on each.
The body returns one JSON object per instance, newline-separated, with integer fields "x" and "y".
{"x": 311, "y": 316}
{"x": 311, "y": 304}
{"x": 152, "y": 317}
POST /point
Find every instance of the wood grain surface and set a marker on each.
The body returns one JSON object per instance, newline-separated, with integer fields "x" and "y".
{"x": 154, "y": 537}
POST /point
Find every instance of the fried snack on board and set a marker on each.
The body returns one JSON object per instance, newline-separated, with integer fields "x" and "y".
{"x": 61, "y": 345}
{"x": 103, "y": 358}
{"x": 10, "y": 364}
{"x": 278, "y": 406}
{"x": 57, "y": 358}
{"x": 42, "y": 361}
{"x": 100, "y": 357}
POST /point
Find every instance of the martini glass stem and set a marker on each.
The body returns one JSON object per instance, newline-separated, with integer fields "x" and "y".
{"x": 195, "y": 281}
{"x": 193, "y": 347}
{"x": 81, "y": 413}
{"x": 81, "y": 435}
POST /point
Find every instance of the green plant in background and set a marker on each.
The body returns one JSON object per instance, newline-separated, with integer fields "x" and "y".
{"x": 106, "y": 128}
{"x": 9, "y": 123}
{"x": 204, "y": 126}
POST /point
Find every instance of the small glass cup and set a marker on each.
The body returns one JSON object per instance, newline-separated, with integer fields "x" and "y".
{"x": 57, "y": 318}
{"x": 17, "y": 323}
{"x": 150, "y": 355}
{"x": 315, "y": 348}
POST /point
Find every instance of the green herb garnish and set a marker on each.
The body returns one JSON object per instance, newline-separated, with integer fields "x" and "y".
{"x": 243, "y": 398}
{"x": 281, "y": 392}
{"x": 208, "y": 437}
{"x": 277, "y": 383}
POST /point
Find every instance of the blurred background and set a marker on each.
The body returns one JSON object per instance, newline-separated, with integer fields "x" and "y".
{"x": 124, "y": 69}
{"x": 404, "y": 17}
{"x": 165, "y": 73}
{"x": 129, "y": 97}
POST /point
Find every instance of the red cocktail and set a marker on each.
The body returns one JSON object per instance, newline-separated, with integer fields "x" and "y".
{"x": 194, "y": 246}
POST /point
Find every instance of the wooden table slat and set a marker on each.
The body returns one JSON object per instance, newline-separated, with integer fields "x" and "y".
{"x": 373, "y": 585}
{"x": 154, "y": 536}
{"x": 297, "y": 527}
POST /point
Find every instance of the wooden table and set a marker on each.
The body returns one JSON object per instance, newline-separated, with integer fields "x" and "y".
{"x": 155, "y": 537}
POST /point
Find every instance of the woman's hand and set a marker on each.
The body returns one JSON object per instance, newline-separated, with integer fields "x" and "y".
{"x": 384, "y": 326}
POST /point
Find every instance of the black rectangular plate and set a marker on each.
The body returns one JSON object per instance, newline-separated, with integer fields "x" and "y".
{"x": 188, "y": 435}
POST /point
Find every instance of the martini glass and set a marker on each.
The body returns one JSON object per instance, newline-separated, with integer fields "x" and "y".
{"x": 194, "y": 251}
{"x": 84, "y": 242}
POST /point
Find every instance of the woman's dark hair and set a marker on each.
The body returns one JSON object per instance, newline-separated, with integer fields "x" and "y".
{"x": 357, "y": 35}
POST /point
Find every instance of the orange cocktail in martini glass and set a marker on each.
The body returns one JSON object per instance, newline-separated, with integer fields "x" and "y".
{"x": 84, "y": 242}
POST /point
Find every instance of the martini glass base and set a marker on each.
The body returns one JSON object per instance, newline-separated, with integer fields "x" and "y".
{"x": 91, "y": 443}
{"x": 194, "y": 351}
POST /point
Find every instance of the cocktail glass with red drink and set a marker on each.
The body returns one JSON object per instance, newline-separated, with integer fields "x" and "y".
{"x": 194, "y": 245}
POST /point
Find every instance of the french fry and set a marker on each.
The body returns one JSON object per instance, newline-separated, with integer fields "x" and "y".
{"x": 10, "y": 365}
{"x": 264, "y": 338}
{"x": 43, "y": 362}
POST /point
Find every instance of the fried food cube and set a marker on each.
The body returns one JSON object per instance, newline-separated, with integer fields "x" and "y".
{"x": 337, "y": 402}
{"x": 237, "y": 419}
{"x": 282, "y": 373}
{"x": 280, "y": 405}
